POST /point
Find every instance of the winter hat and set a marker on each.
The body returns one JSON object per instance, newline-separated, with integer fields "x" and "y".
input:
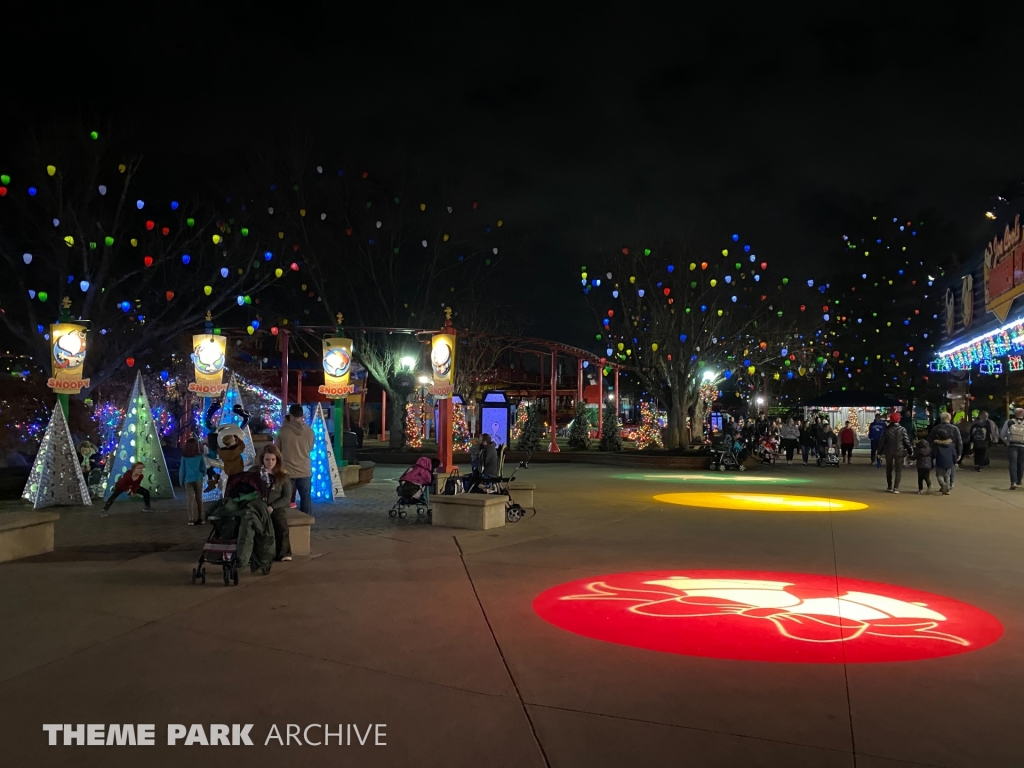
{"x": 895, "y": 418}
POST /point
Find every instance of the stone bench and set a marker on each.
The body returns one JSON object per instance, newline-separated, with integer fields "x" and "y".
{"x": 299, "y": 524}
{"x": 475, "y": 511}
{"x": 349, "y": 475}
{"x": 366, "y": 471}
{"x": 25, "y": 534}
{"x": 522, "y": 494}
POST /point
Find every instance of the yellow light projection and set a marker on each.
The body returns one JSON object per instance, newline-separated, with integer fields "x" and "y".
{"x": 760, "y": 502}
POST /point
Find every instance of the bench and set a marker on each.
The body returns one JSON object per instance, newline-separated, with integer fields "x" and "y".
{"x": 475, "y": 511}
{"x": 299, "y": 524}
{"x": 25, "y": 534}
{"x": 522, "y": 494}
{"x": 349, "y": 476}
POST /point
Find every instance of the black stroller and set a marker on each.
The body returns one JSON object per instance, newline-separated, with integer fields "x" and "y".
{"x": 724, "y": 454}
{"x": 220, "y": 549}
{"x": 500, "y": 485}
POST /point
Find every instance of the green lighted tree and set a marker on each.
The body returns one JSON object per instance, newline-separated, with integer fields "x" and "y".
{"x": 611, "y": 436}
{"x": 532, "y": 432}
{"x": 579, "y": 430}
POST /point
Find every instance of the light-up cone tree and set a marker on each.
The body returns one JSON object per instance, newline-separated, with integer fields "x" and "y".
{"x": 56, "y": 476}
{"x": 674, "y": 312}
{"x": 139, "y": 441}
{"x": 143, "y": 268}
{"x": 325, "y": 481}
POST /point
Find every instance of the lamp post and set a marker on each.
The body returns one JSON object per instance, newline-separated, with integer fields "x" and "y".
{"x": 442, "y": 364}
{"x": 337, "y": 365}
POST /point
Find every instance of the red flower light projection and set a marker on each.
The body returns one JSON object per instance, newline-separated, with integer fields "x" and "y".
{"x": 767, "y": 616}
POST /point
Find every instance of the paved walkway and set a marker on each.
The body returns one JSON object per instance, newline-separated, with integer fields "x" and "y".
{"x": 435, "y": 632}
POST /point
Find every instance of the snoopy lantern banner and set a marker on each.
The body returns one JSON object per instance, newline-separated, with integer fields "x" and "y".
{"x": 208, "y": 358}
{"x": 337, "y": 368}
{"x": 67, "y": 350}
{"x": 442, "y": 363}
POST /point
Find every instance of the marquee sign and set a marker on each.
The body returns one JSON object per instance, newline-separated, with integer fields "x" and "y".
{"x": 1004, "y": 270}
{"x": 767, "y": 616}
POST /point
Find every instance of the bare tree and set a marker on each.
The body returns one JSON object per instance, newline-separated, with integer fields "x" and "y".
{"x": 388, "y": 255}
{"x": 678, "y": 315}
{"x": 142, "y": 267}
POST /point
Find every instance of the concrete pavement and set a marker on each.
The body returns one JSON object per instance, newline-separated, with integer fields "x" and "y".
{"x": 434, "y": 633}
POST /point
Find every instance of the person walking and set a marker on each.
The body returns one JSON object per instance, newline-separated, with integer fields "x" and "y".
{"x": 923, "y": 458}
{"x": 1013, "y": 435}
{"x": 131, "y": 483}
{"x": 790, "y": 434}
{"x": 295, "y": 443}
{"x": 895, "y": 447}
{"x": 983, "y": 435}
{"x": 875, "y": 432}
{"x": 847, "y": 439}
{"x": 806, "y": 440}
{"x": 278, "y": 488}
{"x": 191, "y": 474}
{"x": 964, "y": 428}
{"x": 947, "y": 447}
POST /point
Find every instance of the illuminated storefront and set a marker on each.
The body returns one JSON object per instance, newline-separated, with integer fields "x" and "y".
{"x": 983, "y": 311}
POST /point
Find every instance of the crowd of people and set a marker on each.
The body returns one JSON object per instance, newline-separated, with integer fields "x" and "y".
{"x": 940, "y": 450}
{"x": 284, "y": 468}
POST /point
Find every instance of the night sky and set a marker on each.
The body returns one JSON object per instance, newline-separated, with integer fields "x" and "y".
{"x": 583, "y": 131}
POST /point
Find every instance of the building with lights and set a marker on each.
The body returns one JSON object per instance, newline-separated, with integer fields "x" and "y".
{"x": 982, "y": 313}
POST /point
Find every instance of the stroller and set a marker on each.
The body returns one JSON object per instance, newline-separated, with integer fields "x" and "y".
{"x": 500, "y": 485}
{"x": 413, "y": 488}
{"x": 220, "y": 549}
{"x": 768, "y": 449}
{"x": 828, "y": 456}
{"x": 725, "y": 453}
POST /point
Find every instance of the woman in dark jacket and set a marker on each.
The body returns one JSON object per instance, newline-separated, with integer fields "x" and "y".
{"x": 278, "y": 494}
{"x": 806, "y": 439}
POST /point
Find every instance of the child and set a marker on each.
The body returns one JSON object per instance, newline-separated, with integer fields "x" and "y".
{"x": 130, "y": 483}
{"x": 923, "y": 454}
{"x": 190, "y": 478}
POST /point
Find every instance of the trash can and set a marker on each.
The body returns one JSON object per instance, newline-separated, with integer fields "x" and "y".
{"x": 350, "y": 441}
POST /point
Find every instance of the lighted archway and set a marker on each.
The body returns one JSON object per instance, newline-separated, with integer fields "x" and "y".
{"x": 767, "y": 616}
{"x": 716, "y": 478}
{"x": 761, "y": 502}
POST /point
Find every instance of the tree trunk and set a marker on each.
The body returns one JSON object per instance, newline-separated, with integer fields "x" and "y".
{"x": 676, "y": 427}
{"x": 396, "y": 416}
{"x": 697, "y": 425}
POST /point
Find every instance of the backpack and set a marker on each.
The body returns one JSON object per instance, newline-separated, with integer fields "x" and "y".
{"x": 1016, "y": 432}
{"x": 979, "y": 433}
